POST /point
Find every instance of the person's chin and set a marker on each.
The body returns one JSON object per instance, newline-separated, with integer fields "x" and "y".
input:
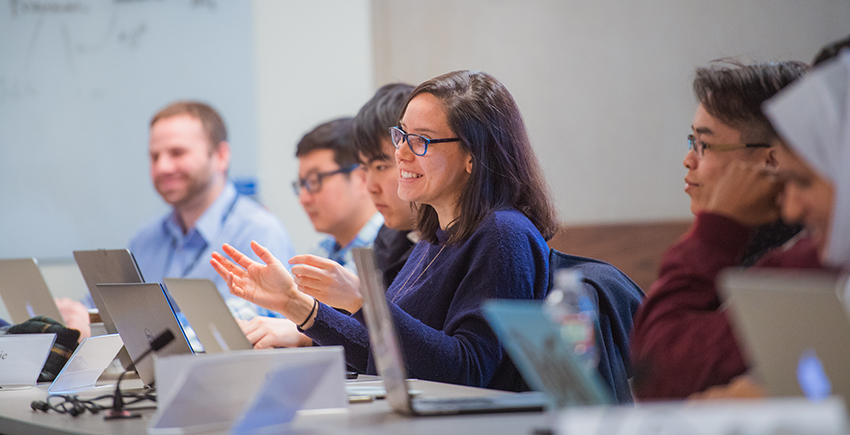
{"x": 392, "y": 221}
{"x": 173, "y": 198}
{"x": 696, "y": 207}
{"x": 318, "y": 225}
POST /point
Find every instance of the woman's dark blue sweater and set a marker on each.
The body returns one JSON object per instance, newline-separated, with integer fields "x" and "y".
{"x": 438, "y": 314}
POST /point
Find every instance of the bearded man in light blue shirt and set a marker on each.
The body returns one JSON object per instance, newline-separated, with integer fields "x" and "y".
{"x": 189, "y": 160}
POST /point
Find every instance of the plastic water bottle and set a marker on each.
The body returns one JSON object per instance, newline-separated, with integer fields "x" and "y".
{"x": 570, "y": 306}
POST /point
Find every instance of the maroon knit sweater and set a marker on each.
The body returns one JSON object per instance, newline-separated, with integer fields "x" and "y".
{"x": 682, "y": 342}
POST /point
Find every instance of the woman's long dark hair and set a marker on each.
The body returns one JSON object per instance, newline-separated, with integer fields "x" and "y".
{"x": 505, "y": 170}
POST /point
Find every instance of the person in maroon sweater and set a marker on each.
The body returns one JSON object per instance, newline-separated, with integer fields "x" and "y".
{"x": 682, "y": 342}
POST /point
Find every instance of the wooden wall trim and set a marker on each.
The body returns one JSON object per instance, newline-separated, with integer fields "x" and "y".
{"x": 634, "y": 248}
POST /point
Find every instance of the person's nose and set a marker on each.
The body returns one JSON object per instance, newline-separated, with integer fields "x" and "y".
{"x": 691, "y": 160}
{"x": 304, "y": 196}
{"x": 372, "y": 184}
{"x": 403, "y": 152}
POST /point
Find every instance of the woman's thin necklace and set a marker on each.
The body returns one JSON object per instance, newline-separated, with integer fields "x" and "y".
{"x": 401, "y": 290}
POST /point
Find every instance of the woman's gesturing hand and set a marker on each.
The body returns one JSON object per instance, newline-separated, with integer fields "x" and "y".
{"x": 327, "y": 281}
{"x": 270, "y": 332}
{"x": 268, "y": 285}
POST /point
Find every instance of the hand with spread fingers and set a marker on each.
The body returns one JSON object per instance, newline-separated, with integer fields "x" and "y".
{"x": 270, "y": 332}
{"x": 327, "y": 281}
{"x": 741, "y": 387}
{"x": 74, "y": 315}
{"x": 267, "y": 285}
{"x": 747, "y": 193}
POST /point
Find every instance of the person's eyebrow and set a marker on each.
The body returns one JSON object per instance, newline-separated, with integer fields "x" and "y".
{"x": 420, "y": 131}
{"x": 427, "y": 131}
{"x": 702, "y": 130}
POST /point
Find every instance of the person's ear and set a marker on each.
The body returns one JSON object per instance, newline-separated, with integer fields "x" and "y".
{"x": 222, "y": 155}
{"x": 469, "y": 164}
{"x": 770, "y": 158}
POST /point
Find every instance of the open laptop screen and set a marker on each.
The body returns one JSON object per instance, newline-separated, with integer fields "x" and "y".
{"x": 793, "y": 327}
{"x": 24, "y": 291}
{"x": 107, "y": 266}
{"x": 141, "y": 312}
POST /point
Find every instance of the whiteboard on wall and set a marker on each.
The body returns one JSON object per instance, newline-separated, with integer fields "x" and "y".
{"x": 79, "y": 82}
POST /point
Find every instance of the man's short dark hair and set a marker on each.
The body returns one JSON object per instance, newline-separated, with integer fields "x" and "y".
{"x": 333, "y": 135}
{"x": 373, "y": 121}
{"x": 733, "y": 93}
{"x": 211, "y": 121}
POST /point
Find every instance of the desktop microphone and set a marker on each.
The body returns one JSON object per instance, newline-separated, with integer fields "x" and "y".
{"x": 158, "y": 343}
{"x": 117, "y": 410}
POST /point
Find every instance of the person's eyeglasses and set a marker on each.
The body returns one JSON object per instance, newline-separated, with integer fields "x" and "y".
{"x": 699, "y": 146}
{"x": 418, "y": 144}
{"x": 313, "y": 182}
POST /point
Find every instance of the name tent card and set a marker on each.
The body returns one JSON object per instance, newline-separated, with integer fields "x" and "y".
{"x": 284, "y": 393}
{"x": 237, "y": 390}
{"x": 22, "y": 356}
{"x": 87, "y": 363}
{"x": 770, "y": 416}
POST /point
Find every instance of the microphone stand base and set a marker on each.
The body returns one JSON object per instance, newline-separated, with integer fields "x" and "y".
{"x": 115, "y": 415}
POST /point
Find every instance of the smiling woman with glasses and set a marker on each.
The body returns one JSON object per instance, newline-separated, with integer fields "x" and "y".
{"x": 483, "y": 215}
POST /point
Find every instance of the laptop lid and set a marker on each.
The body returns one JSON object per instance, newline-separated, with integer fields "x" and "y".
{"x": 789, "y": 324}
{"x": 141, "y": 312}
{"x": 382, "y": 334}
{"x": 24, "y": 291}
{"x": 545, "y": 359}
{"x": 207, "y": 312}
{"x": 105, "y": 266}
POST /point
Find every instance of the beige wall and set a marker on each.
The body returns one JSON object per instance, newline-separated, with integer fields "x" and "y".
{"x": 604, "y": 85}
{"x": 313, "y": 62}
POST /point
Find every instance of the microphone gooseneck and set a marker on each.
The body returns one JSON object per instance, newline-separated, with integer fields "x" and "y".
{"x": 117, "y": 410}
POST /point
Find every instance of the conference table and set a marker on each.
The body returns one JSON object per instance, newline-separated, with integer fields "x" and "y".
{"x": 770, "y": 416}
{"x": 376, "y": 417}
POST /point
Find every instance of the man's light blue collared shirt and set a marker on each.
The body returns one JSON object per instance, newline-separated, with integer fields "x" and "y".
{"x": 329, "y": 248}
{"x": 163, "y": 251}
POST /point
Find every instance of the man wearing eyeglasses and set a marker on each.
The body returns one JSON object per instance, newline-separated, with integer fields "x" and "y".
{"x": 332, "y": 188}
{"x": 682, "y": 342}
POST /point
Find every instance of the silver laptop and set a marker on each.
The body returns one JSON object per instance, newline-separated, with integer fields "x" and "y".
{"x": 141, "y": 312}
{"x": 106, "y": 266}
{"x": 25, "y": 292}
{"x": 390, "y": 363}
{"x": 207, "y": 313}
{"x": 792, "y": 326}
